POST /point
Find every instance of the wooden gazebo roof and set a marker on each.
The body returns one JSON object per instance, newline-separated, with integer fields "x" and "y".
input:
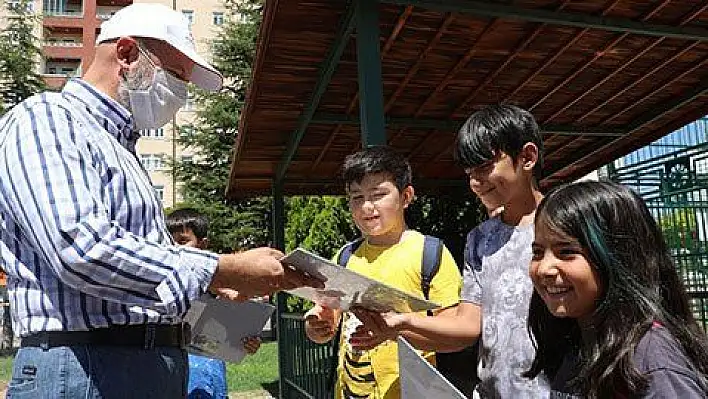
{"x": 602, "y": 78}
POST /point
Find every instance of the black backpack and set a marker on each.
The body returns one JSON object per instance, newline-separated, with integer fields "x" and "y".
{"x": 460, "y": 368}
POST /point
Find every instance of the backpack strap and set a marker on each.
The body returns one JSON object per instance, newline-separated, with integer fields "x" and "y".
{"x": 432, "y": 256}
{"x": 347, "y": 250}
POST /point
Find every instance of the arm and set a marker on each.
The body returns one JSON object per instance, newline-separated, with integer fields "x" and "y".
{"x": 450, "y": 330}
{"x": 53, "y": 191}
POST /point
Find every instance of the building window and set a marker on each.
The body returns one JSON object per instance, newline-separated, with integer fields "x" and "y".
{"x": 186, "y": 130}
{"x": 160, "y": 191}
{"x": 14, "y": 5}
{"x": 189, "y": 14}
{"x": 218, "y": 18}
{"x": 153, "y": 133}
{"x": 152, "y": 162}
{"x": 189, "y": 105}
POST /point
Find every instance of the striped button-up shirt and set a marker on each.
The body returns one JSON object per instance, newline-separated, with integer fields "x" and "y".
{"x": 82, "y": 232}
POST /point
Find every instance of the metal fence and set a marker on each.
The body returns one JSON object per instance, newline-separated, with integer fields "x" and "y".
{"x": 675, "y": 188}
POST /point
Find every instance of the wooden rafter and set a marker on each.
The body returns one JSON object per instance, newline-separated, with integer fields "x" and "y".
{"x": 398, "y": 27}
{"x": 490, "y": 77}
{"x": 550, "y": 60}
{"x": 629, "y": 62}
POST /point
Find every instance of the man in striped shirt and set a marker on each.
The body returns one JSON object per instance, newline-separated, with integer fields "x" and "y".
{"x": 96, "y": 285}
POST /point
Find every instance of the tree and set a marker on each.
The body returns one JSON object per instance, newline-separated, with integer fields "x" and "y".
{"x": 19, "y": 54}
{"x": 237, "y": 224}
{"x": 320, "y": 224}
{"x": 448, "y": 217}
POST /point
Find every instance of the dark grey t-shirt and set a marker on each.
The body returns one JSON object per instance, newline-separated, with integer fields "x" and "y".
{"x": 658, "y": 355}
{"x": 496, "y": 278}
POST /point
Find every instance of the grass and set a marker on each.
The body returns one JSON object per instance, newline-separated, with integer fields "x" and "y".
{"x": 259, "y": 371}
{"x": 256, "y": 371}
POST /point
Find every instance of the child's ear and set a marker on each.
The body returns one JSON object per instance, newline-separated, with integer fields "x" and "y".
{"x": 408, "y": 195}
{"x": 528, "y": 156}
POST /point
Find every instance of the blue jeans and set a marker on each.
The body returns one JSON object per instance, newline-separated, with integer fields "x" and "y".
{"x": 207, "y": 378}
{"x": 98, "y": 372}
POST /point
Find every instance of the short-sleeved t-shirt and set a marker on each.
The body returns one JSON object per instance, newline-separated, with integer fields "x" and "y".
{"x": 374, "y": 374}
{"x": 660, "y": 357}
{"x": 497, "y": 258}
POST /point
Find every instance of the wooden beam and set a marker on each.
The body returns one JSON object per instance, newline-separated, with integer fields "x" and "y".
{"x": 400, "y": 23}
{"x": 327, "y": 68}
{"x": 454, "y": 125}
{"x": 562, "y": 18}
{"x": 583, "y": 155}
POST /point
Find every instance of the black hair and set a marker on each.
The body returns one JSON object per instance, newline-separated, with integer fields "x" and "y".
{"x": 494, "y": 128}
{"x": 188, "y": 218}
{"x": 379, "y": 159}
{"x": 639, "y": 286}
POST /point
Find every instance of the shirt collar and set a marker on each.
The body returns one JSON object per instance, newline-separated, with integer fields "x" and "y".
{"x": 108, "y": 112}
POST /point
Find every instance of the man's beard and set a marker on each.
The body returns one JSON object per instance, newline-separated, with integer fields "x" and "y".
{"x": 140, "y": 78}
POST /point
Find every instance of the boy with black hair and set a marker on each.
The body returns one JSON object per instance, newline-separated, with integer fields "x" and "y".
{"x": 378, "y": 183}
{"x": 500, "y": 148}
{"x": 207, "y": 376}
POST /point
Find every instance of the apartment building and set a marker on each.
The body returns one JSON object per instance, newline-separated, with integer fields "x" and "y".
{"x": 68, "y": 34}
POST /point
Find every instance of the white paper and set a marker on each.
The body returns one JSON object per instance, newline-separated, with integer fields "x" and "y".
{"x": 345, "y": 288}
{"x": 419, "y": 379}
{"x": 220, "y": 325}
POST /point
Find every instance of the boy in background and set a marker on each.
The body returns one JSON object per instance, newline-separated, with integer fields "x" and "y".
{"x": 378, "y": 183}
{"x": 500, "y": 149}
{"x": 207, "y": 376}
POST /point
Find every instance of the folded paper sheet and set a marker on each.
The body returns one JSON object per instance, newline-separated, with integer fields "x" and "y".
{"x": 345, "y": 289}
{"x": 419, "y": 379}
{"x": 220, "y": 325}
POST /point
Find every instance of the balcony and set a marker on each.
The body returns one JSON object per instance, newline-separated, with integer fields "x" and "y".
{"x": 62, "y": 13}
{"x": 62, "y": 48}
{"x": 104, "y": 12}
{"x": 63, "y": 9}
{"x": 62, "y": 68}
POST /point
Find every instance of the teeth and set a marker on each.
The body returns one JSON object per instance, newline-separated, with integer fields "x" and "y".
{"x": 557, "y": 290}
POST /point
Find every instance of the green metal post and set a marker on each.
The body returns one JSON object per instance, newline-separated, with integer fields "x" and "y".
{"x": 371, "y": 109}
{"x": 278, "y": 232}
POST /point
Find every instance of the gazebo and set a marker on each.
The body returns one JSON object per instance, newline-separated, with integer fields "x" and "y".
{"x": 603, "y": 78}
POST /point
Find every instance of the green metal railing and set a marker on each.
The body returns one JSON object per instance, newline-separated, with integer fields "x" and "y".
{"x": 675, "y": 188}
{"x": 306, "y": 368}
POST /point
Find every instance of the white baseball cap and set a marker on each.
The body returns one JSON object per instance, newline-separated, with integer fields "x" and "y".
{"x": 158, "y": 21}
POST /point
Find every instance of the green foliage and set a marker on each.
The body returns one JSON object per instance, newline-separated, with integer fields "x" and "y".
{"x": 679, "y": 227}
{"x": 449, "y": 217}
{"x": 19, "y": 54}
{"x": 320, "y": 224}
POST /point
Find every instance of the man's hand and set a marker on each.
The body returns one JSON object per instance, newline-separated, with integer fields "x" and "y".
{"x": 251, "y": 344}
{"x": 257, "y": 272}
{"x": 320, "y": 324}
{"x": 376, "y": 328}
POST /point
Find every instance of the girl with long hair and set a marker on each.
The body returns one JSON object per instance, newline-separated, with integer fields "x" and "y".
{"x": 610, "y": 316}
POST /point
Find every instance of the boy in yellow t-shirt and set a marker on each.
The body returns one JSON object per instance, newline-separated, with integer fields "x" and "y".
{"x": 378, "y": 182}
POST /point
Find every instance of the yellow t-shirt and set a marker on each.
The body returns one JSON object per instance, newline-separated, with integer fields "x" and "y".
{"x": 373, "y": 374}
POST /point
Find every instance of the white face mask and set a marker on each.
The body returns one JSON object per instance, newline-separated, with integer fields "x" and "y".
{"x": 155, "y": 105}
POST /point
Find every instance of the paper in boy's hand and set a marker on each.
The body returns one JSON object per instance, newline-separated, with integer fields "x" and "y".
{"x": 345, "y": 288}
{"x": 419, "y": 379}
{"x": 220, "y": 325}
